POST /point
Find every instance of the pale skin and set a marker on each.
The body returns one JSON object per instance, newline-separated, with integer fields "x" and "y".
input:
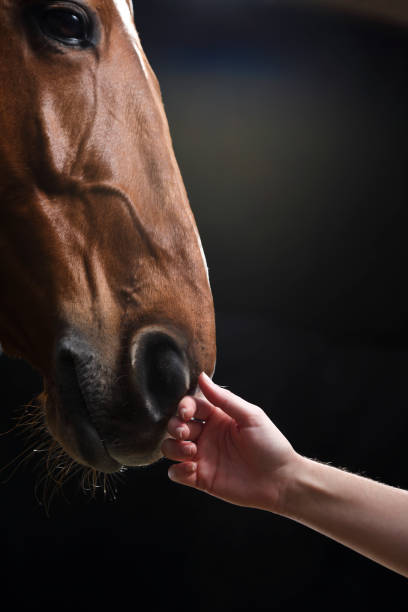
{"x": 240, "y": 456}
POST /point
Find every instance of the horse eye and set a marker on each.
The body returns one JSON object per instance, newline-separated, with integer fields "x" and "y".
{"x": 67, "y": 25}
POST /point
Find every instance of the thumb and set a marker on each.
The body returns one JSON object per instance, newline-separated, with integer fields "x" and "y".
{"x": 237, "y": 408}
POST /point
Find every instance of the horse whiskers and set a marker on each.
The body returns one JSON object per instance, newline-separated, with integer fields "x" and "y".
{"x": 22, "y": 458}
{"x": 117, "y": 477}
{"x": 109, "y": 490}
{"x": 56, "y": 476}
{"x": 59, "y": 467}
{"x": 49, "y": 489}
{"x": 92, "y": 480}
{"x": 5, "y": 433}
{"x": 59, "y": 471}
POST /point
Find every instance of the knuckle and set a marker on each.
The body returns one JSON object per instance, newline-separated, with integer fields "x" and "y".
{"x": 256, "y": 415}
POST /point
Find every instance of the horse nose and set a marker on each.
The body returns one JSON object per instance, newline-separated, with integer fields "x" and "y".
{"x": 161, "y": 370}
{"x": 110, "y": 415}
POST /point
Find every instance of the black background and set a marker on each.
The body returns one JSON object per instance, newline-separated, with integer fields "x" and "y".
{"x": 290, "y": 129}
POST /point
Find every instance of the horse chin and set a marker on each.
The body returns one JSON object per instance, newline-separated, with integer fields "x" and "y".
{"x": 97, "y": 455}
{"x": 129, "y": 457}
{"x": 139, "y": 460}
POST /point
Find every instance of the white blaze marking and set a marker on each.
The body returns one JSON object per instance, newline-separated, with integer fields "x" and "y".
{"x": 126, "y": 16}
{"x": 200, "y": 244}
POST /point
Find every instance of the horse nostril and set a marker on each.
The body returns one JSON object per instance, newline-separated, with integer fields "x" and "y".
{"x": 161, "y": 369}
{"x": 165, "y": 374}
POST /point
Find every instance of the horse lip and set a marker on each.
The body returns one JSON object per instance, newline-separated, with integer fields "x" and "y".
{"x": 148, "y": 451}
{"x": 91, "y": 447}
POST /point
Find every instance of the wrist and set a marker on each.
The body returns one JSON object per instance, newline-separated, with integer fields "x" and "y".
{"x": 296, "y": 479}
{"x": 282, "y": 486}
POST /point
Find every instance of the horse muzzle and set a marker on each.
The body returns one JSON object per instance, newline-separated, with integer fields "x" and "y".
{"x": 107, "y": 417}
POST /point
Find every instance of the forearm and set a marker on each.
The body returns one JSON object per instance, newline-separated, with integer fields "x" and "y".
{"x": 367, "y": 516}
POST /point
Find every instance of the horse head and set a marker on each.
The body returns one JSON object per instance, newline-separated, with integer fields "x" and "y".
{"x": 105, "y": 288}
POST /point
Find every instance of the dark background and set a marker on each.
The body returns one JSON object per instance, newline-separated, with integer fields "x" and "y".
{"x": 290, "y": 129}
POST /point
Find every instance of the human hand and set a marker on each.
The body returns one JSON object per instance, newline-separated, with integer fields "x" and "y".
{"x": 240, "y": 456}
{"x": 237, "y": 455}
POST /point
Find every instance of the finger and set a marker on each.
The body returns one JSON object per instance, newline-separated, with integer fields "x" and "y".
{"x": 178, "y": 450}
{"x": 184, "y": 473}
{"x": 194, "y": 407}
{"x": 234, "y": 406}
{"x": 182, "y": 430}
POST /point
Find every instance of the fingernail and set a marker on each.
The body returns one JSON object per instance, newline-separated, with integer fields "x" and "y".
{"x": 180, "y": 432}
{"x": 192, "y": 450}
{"x": 171, "y": 473}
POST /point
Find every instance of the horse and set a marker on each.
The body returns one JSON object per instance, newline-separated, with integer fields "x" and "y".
{"x": 105, "y": 287}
